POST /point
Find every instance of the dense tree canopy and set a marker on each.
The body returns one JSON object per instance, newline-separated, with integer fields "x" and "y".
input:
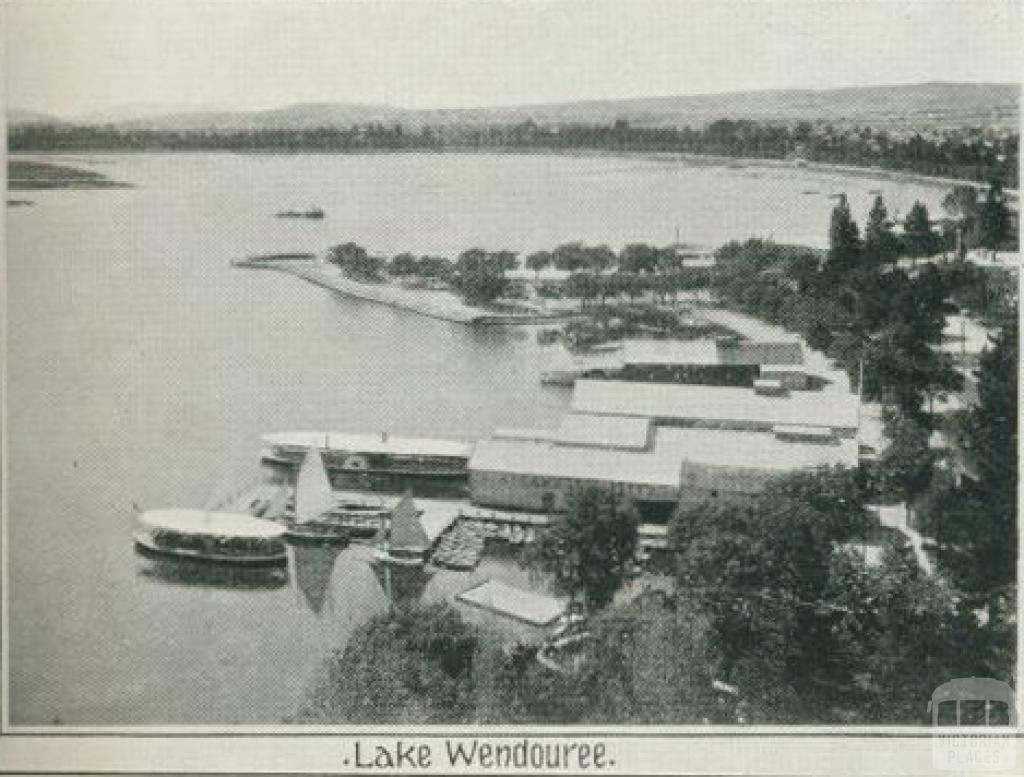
{"x": 538, "y": 260}
{"x": 993, "y": 230}
{"x": 480, "y": 275}
{"x": 590, "y": 548}
{"x": 906, "y": 465}
{"x": 844, "y": 245}
{"x": 805, "y": 629}
{"x": 407, "y": 666}
{"x": 919, "y": 237}
{"x": 880, "y": 242}
{"x": 884, "y": 321}
{"x": 403, "y": 264}
{"x": 356, "y": 262}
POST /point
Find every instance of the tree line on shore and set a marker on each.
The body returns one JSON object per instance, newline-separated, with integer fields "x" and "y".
{"x": 879, "y": 321}
{"x": 972, "y": 154}
{"x": 781, "y": 283}
{"x": 481, "y": 276}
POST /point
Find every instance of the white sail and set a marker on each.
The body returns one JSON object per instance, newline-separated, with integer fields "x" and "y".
{"x": 313, "y": 494}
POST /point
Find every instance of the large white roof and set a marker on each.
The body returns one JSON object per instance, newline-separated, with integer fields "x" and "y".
{"x": 714, "y": 403}
{"x": 371, "y": 443}
{"x": 524, "y": 457}
{"x": 701, "y": 351}
{"x": 662, "y": 465}
{"x": 604, "y": 431}
{"x": 210, "y": 524}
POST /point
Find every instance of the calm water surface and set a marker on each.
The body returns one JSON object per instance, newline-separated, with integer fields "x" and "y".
{"x": 142, "y": 368}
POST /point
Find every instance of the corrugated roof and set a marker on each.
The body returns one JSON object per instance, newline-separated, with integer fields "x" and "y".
{"x": 539, "y": 435}
{"x": 604, "y": 431}
{"x": 714, "y": 403}
{"x": 670, "y": 352}
{"x": 735, "y": 449}
{"x": 601, "y": 464}
{"x": 661, "y": 466}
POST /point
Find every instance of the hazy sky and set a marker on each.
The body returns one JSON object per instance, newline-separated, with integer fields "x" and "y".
{"x": 75, "y": 56}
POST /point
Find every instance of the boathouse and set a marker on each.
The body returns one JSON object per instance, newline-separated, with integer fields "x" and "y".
{"x": 760, "y": 408}
{"x": 654, "y": 466}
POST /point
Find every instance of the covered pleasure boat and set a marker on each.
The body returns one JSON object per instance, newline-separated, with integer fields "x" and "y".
{"x": 202, "y": 535}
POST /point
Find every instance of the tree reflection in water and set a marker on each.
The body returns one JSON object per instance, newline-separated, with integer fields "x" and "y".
{"x": 404, "y": 585}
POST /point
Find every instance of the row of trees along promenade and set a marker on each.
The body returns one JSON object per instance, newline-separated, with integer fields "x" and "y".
{"x": 598, "y": 272}
{"x": 975, "y": 154}
{"x": 480, "y": 276}
{"x": 771, "y": 611}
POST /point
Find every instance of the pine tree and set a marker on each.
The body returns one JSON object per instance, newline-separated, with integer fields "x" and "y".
{"x": 993, "y": 434}
{"x": 843, "y": 237}
{"x": 880, "y": 243}
{"x": 920, "y": 239}
{"x": 993, "y": 220}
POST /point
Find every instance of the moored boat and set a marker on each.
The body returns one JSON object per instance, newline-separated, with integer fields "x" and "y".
{"x": 216, "y": 537}
{"x": 311, "y": 213}
{"x": 406, "y": 542}
{"x": 367, "y": 454}
{"x": 314, "y": 502}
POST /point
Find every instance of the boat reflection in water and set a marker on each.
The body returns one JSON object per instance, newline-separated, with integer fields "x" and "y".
{"x": 200, "y": 574}
{"x": 314, "y": 567}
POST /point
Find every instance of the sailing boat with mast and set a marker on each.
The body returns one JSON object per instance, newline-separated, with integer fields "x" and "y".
{"x": 406, "y": 543}
{"x": 314, "y": 504}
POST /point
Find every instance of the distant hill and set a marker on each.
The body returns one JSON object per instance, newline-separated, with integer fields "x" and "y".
{"x": 913, "y": 107}
{"x": 917, "y": 106}
{"x": 299, "y": 116}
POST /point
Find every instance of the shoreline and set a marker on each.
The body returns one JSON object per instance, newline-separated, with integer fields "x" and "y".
{"x": 34, "y": 175}
{"x": 452, "y": 310}
{"x": 878, "y": 173}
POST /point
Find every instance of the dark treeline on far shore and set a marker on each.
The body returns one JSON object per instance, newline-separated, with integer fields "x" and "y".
{"x": 973, "y": 154}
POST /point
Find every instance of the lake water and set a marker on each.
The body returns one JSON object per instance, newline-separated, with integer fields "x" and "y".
{"x": 142, "y": 368}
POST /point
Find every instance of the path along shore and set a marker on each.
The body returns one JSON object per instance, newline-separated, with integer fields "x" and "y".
{"x": 441, "y": 305}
